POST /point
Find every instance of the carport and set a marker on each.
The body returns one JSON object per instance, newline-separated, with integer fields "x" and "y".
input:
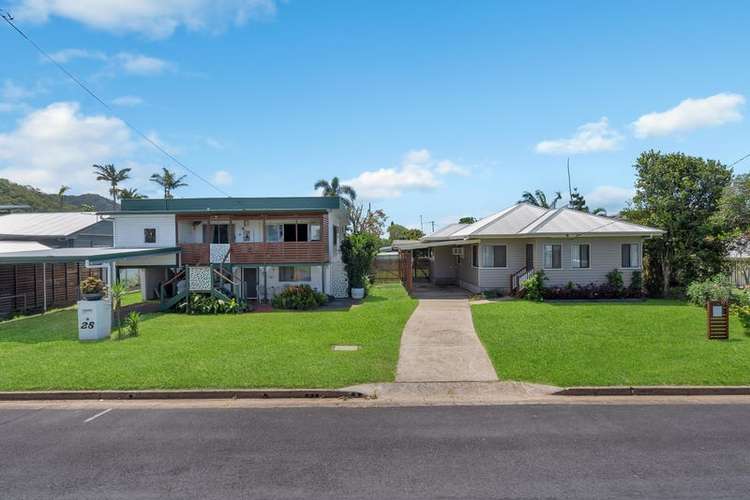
{"x": 102, "y": 259}
{"x": 407, "y": 261}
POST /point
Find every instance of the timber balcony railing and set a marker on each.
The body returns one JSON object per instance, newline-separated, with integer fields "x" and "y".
{"x": 288, "y": 252}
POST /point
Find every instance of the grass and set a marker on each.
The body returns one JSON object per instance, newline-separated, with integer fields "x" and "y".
{"x": 656, "y": 342}
{"x": 280, "y": 349}
{"x": 132, "y": 298}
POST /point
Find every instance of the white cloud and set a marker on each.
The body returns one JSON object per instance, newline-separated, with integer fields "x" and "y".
{"x": 153, "y": 18}
{"x": 589, "y": 138}
{"x": 12, "y": 91}
{"x": 58, "y": 144}
{"x": 417, "y": 172}
{"x": 139, "y": 64}
{"x": 127, "y": 101}
{"x": 611, "y": 198}
{"x": 214, "y": 143}
{"x": 66, "y": 55}
{"x": 222, "y": 178}
{"x": 691, "y": 114}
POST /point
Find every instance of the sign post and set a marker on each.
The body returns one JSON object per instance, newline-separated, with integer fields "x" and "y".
{"x": 718, "y": 320}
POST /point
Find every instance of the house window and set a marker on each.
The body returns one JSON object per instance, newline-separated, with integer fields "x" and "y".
{"x": 475, "y": 255}
{"x": 275, "y": 232}
{"x": 553, "y": 256}
{"x": 494, "y": 256}
{"x": 149, "y": 235}
{"x": 314, "y": 232}
{"x": 631, "y": 255}
{"x": 294, "y": 273}
{"x": 580, "y": 256}
{"x": 220, "y": 233}
{"x": 294, "y": 232}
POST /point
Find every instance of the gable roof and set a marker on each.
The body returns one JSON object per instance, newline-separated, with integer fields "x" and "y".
{"x": 524, "y": 219}
{"x": 51, "y": 225}
{"x": 196, "y": 205}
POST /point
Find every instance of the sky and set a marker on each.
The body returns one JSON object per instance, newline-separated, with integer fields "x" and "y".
{"x": 439, "y": 109}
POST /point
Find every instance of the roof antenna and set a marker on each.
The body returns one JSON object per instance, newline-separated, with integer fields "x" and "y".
{"x": 570, "y": 189}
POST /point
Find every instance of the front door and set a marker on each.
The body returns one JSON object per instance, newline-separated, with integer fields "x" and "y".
{"x": 529, "y": 256}
{"x": 250, "y": 282}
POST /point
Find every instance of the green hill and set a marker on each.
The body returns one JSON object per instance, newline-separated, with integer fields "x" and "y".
{"x": 16, "y": 194}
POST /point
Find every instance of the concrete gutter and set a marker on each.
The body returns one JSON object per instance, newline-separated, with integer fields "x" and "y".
{"x": 665, "y": 390}
{"x": 182, "y": 394}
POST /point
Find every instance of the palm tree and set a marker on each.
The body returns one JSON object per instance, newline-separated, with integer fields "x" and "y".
{"x": 539, "y": 199}
{"x": 333, "y": 188}
{"x": 61, "y": 194}
{"x": 169, "y": 181}
{"x": 110, "y": 174}
{"x": 599, "y": 211}
{"x": 131, "y": 194}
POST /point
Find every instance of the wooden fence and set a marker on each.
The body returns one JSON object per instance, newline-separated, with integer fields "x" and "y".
{"x": 385, "y": 268}
{"x": 739, "y": 271}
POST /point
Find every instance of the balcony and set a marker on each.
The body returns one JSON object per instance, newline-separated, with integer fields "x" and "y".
{"x": 259, "y": 253}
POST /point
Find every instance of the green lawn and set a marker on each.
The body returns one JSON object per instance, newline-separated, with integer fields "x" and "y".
{"x": 656, "y": 342}
{"x": 132, "y": 298}
{"x": 280, "y": 349}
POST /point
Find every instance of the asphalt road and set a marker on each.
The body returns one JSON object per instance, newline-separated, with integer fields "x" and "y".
{"x": 576, "y": 451}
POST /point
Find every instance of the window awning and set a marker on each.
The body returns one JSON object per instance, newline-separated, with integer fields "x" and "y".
{"x": 416, "y": 245}
{"x": 92, "y": 254}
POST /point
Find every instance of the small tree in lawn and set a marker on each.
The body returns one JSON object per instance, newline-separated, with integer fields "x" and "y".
{"x": 117, "y": 292}
{"x": 358, "y": 252}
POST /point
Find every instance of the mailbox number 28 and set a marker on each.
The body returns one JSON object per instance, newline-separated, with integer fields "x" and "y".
{"x": 87, "y": 325}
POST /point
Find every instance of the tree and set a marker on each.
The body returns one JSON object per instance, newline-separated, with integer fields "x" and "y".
{"x": 131, "y": 194}
{"x": 679, "y": 194}
{"x": 366, "y": 221}
{"x": 734, "y": 206}
{"x": 334, "y": 188}
{"x": 467, "y": 220}
{"x": 578, "y": 202}
{"x": 539, "y": 199}
{"x": 117, "y": 291}
{"x": 169, "y": 181}
{"x": 358, "y": 252}
{"x": 87, "y": 207}
{"x": 399, "y": 232}
{"x": 114, "y": 177}
{"x": 61, "y": 195}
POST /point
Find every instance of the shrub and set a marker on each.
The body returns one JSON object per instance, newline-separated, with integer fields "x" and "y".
{"x": 208, "y": 304}
{"x": 492, "y": 294}
{"x": 636, "y": 281}
{"x": 743, "y": 312}
{"x": 301, "y": 297}
{"x": 614, "y": 279}
{"x": 534, "y": 286}
{"x": 358, "y": 252}
{"x": 718, "y": 288}
{"x": 92, "y": 284}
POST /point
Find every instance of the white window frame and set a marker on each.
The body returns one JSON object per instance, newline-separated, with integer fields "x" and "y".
{"x": 573, "y": 255}
{"x": 544, "y": 256}
{"x": 638, "y": 254}
{"x": 477, "y": 264}
{"x": 319, "y": 229}
{"x": 279, "y": 233}
{"x": 492, "y": 247}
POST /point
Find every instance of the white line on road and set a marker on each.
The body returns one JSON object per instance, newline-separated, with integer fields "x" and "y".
{"x": 97, "y": 415}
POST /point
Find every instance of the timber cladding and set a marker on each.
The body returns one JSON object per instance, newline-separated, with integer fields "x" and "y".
{"x": 718, "y": 320}
{"x": 22, "y": 286}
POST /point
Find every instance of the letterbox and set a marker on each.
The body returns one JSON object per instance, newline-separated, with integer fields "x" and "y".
{"x": 94, "y": 319}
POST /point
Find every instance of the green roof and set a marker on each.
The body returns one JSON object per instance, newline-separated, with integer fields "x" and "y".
{"x": 193, "y": 205}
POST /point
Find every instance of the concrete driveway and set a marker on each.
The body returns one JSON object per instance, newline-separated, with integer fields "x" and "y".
{"x": 439, "y": 343}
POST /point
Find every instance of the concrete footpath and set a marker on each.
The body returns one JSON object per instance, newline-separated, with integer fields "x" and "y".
{"x": 439, "y": 344}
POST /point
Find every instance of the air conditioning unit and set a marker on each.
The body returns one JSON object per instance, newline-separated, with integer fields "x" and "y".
{"x": 458, "y": 251}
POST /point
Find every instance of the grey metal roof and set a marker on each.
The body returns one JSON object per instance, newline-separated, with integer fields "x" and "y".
{"x": 95, "y": 254}
{"x": 197, "y": 205}
{"x": 7, "y": 246}
{"x": 524, "y": 219}
{"x": 52, "y": 224}
{"x": 445, "y": 231}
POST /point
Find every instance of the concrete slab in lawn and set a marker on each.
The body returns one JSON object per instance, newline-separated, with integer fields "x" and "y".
{"x": 439, "y": 344}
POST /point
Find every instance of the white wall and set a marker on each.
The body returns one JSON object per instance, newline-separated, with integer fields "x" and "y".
{"x": 275, "y": 286}
{"x": 249, "y": 231}
{"x": 128, "y": 230}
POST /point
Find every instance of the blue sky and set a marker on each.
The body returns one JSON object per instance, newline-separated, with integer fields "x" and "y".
{"x": 439, "y": 108}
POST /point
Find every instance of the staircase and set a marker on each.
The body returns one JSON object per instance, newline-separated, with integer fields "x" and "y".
{"x": 517, "y": 279}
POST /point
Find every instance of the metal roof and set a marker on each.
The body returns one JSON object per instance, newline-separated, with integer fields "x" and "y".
{"x": 95, "y": 254}
{"x": 524, "y": 219}
{"x": 52, "y": 224}
{"x": 194, "y": 205}
{"x": 7, "y": 246}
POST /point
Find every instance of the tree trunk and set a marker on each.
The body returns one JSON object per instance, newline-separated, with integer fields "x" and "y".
{"x": 666, "y": 271}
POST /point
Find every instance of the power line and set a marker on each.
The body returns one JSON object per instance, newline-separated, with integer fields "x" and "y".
{"x": 9, "y": 19}
{"x": 737, "y": 161}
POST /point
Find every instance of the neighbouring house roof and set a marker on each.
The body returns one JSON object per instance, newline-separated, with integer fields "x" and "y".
{"x": 45, "y": 225}
{"x": 93, "y": 254}
{"x": 523, "y": 220}
{"x": 224, "y": 205}
{"x": 7, "y": 246}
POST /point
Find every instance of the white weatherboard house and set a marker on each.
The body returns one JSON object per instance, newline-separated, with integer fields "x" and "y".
{"x": 500, "y": 251}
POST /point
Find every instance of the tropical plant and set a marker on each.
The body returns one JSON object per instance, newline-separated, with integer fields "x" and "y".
{"x": 61, "y": 195}
{"x": 108, "y": 173}
{"x": 87, "y": 207}
{"x": 399, "y": 232}
{"x": 467, "y": 220}
{"x": 718, "y": 288}
{"x": 133, "y": 323}
{"x": 298, "y": 297}
{"x": 334, "y": 188}
{"x": 92, "y": 285}
{"x": 131, "y": 194}
{"x": 207, "y": 304}
{"x": 358, "y": 252}
{"x": 534, "y": 286}
{"x": 615, "y": 280}
{"x": 743, "y": 313}
{"x": 578, "y": 202}
{"x": 539, "y": 199}
{"x": 169, "y": 181}
{"x": 117, "y": 291}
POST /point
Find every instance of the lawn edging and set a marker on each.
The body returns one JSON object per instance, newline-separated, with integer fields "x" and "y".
{"x": 181, "y": 394}
{"x": 665, "y": 390}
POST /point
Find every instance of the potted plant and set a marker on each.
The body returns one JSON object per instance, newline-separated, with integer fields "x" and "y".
{"x": 92, "y": 288}
{"x": 358, "y": 251}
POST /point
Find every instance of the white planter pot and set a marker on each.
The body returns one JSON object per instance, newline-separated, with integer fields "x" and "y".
{"x": 358, "y": 293}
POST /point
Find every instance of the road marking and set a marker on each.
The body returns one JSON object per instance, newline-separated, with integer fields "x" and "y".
{"x": 97, "y": 415}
